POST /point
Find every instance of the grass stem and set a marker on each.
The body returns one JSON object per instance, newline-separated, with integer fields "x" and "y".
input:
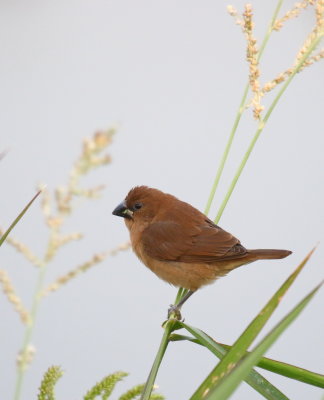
{"x": 169, "y": 326}
{"x": 262, "y": 124}
{"x": 28, "y": 334}
{"x": 239, "y": 114}
{"x": 158, "y": 359}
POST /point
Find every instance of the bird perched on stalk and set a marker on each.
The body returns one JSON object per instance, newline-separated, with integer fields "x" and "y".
{"x": 180, "y": 244}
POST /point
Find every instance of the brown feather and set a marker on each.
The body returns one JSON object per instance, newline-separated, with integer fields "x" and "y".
{"x": 180, "y": 244}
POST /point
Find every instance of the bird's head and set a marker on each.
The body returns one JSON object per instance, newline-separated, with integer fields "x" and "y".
{"x": 141, "y": 204}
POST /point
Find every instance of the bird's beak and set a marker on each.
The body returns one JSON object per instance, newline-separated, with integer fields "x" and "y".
{"x": 122, "y": 211}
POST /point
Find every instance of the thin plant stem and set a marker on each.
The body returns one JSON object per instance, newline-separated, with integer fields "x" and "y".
{"x": 181, "y": 292}
{"x": 64, "y": 195}
{"x": 28, "y": 333}
{"x": 262, "y": 124}
{"x": 226, "y": 151}
{"x": 270, "y": 29}
{"x": 158, "y": 359}
{"x": 239, "y": 114}
{"x": 15, "y": 222}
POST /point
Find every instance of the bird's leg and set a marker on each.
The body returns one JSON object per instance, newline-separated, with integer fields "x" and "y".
{"x": 175, "y": 308}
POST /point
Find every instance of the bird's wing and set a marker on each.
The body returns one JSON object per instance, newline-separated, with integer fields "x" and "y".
{"x": 169, "y": 241}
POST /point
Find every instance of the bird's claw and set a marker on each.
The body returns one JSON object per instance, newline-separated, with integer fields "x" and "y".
{"x": 174, "y": 312}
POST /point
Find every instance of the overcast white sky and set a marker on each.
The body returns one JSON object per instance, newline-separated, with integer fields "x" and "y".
{"x": 170, "y": 74}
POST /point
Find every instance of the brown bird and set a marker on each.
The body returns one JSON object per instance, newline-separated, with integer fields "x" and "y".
{"x": 180, "y": 244}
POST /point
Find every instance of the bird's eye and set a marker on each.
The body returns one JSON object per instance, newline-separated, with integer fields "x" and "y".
{"x": 137, "y": 206}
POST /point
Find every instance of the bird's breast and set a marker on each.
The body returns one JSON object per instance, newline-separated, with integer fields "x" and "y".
{"x": 191, "y": 276}
{"x": 135, "y": 232}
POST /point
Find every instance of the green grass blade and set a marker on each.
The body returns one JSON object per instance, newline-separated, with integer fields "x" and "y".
{"x": 288, "y": 370}
{"x": 223, "y": 388}
{"x": 245, "y": 340}
{"x": 15, "y": 222}
{"x": 275, "y": 366}
{"x": 254, "y": 379}
{"x": 168, "y": 328}
{"x": 292, "y": 372}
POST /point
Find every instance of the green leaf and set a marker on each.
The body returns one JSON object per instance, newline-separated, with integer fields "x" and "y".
{"x": 223, "y": 388}
{"x": 292, "y": 371}
{"x": 254, "y": 379}
{"x": 245, "y": 340}
{"x": 4, "y": 236}
{"x": 275, "y": 366}
{"x": 51, "y": 376}
{"x": 289, "y": 371}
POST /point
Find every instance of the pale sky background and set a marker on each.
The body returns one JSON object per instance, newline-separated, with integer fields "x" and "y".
{"x": 170, "y": 74}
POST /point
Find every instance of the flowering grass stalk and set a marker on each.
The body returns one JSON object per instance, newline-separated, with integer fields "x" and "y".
{"x": 304, "y": 58}
{"x": 55, "y": 212}
{"x": 239, "y": 113}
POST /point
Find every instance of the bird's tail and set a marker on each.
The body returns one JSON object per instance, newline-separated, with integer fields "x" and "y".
{"x": 268, "y": 254}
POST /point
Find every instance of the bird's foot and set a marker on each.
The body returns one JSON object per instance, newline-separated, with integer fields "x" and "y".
{"x": 174, "y": 312}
